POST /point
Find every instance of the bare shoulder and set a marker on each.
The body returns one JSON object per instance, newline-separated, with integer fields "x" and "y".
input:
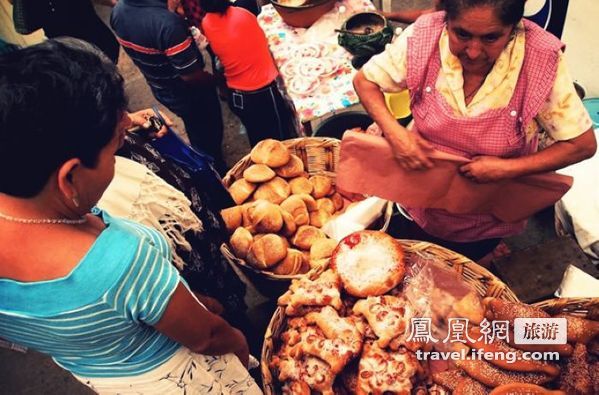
{"x": 44, "y": 252}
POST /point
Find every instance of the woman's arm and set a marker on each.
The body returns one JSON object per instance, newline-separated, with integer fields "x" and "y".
{"x": 559, "y": 155}
{"x": 408, "y": 147}
{"x": 190, "y": 324}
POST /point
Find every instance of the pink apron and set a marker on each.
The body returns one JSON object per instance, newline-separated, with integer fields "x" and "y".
{"x": 497, "y": 132}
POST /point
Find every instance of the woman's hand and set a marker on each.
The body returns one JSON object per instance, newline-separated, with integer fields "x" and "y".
{"x": 484, "y": 169}
{"x": 141, "y": 119}
{"x": 410, "y": 150}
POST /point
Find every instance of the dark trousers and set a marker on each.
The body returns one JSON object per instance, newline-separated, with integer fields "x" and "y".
{"x": 263, "y": 112}
{"x": 199, "y": 108}
{"x": 402, "y": 228}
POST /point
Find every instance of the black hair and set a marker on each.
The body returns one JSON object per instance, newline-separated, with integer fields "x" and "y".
{"x": 509, "y": 12}
{"x": 216, "y": 6}
{"x": 59, "y": 100}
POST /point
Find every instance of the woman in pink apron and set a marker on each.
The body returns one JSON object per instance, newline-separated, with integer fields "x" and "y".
{"x": 483, "y": 84}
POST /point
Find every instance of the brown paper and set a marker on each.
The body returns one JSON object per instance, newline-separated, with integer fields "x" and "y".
{"x": 367, "y": 166}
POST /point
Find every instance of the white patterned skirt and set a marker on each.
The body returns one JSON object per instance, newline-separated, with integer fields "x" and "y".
{"x": 185, "y": 373}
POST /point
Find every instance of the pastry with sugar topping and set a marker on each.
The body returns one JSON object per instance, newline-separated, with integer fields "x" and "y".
{"x": 369, "y": 263}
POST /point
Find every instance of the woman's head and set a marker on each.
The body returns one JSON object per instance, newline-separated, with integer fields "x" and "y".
{"x": 216, "y": 6}
{"x": 479, "y": 30}
{"x": 61, "y": 101}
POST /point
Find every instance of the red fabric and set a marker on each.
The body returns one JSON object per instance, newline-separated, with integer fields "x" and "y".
{"x": 240, "y": 44}
{"x": 498, "y": 132}
{"x": 443, "y": 187}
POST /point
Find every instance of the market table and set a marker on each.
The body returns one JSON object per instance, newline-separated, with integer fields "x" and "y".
{"x": 289, "y": 46}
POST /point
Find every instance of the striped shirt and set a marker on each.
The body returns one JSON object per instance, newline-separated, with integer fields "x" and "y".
{"x": 97, "y": 321}
{"x": 157, "y": 40}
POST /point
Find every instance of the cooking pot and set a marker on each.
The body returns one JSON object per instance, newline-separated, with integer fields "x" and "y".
{"x": 365, "y": 34}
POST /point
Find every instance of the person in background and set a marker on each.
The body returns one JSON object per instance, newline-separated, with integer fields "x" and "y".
{"x": 483, "y": 84}
{"x": 97, "y": 293}
{"x": 159, "y": 43}
{"x": 74, "y": 18}
{"x": 250, "y": 72}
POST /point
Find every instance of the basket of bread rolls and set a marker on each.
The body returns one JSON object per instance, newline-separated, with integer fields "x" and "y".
{"x": 284, "y": 193}
{"x": 345, "y": 329}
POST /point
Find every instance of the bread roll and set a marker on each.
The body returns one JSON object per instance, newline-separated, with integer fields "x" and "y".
{"x": 270, "y": 152}
{"x": 289, "y": 225}
{"x": 301, "y": 185}
{"x": 265, "y": 217}
{"x": 240, "y": 190}
{"x": 293, "y": 168}
{"x": 306, "y": 235}
{"x": 295, "y": 206}
{"x": 232, "y": 218}
{"x": 322, "y": 248}
{"x": 267, "y": 251}
{"x": 245, "y": 218}
{"x": 275, "y": 191}
{"x": 337, "y": 201}
{"x": 240, "y": 242}
{"x": 309, "y": 201}
{"x": 326, "y": 204}
{"x": 319, "y": 217}
{"x": 291, "y": 264}
{"x": 258, "y": 173}
{"x": 322, "y": 186}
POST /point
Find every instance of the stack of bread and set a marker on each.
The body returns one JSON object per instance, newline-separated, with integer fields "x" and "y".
{"x": 577, "y": 371}
{"x": 346, "y": 330}
{"x": 280, "y": 209}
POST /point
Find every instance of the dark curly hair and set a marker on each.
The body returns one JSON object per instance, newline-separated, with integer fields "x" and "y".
{"x": 509, "y": 12}
{"x": 59, "y": 100}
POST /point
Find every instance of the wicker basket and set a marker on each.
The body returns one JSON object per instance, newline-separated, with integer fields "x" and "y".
{"x": 483, "y": 281}
{"x": 580, "y": 307}
{"x": 320, "y": 156}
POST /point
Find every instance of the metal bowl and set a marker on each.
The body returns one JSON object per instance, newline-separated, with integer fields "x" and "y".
{"x": 303, "y": 15}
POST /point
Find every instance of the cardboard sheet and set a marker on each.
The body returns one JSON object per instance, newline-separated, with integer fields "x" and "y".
{"x": 367, "y": 166}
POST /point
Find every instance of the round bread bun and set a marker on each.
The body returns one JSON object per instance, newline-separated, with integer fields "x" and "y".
{"x": 293, "y": 168}
{"x": 306, "y": 235}
{"x": 258, "y": 173}
{"x": 295, "y": 206}
{"x": 265, "y": 217}
{"x": 301, "y": 185}
{"x": 270, "y": 152}
{"x": 267, "y": 251}
{"x": 240, "y": 242}
{"x": 291, "y": 264}
{"x": 337, "y": 200}
{"x": 240, "y": 190}
{"x": 322, "y": 248}
{"x": 369, "y": 263}
{"x": 232, "y": 218}
{"x": 322, "y": 186}
{"x": 327, "y": 205}
{"x": 275, "y": 190}
{"x": 319, "y": 217}
{"x": 289, "y": 225}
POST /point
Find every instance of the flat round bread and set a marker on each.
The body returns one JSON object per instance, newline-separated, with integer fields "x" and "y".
{"x": 369, "y": 263}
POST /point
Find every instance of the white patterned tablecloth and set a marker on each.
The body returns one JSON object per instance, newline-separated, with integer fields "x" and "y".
{"x": 335, "y": 91}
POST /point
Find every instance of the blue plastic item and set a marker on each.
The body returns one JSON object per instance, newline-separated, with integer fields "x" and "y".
{"x": 195, "y": 162}
{"x": 592, "y": 106}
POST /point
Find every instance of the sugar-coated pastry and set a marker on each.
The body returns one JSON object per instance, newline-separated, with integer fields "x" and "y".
{"x": 369, "y": 263}
{"x": 469, "y": 386}
{"x": 323, "y": 291}
{"x": 576, "y": 376}
{"x": 524, "y": 389}
{"x": 387, "y": 315}
{"x": 492, "y": 376}
{"x": 580, "y": 330}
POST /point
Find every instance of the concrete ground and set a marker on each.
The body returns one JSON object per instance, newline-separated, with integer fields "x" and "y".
{"x": 34, "y": 373}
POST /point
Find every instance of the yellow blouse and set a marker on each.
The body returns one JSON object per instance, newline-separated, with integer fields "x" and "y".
{"x": 562, "y": 116}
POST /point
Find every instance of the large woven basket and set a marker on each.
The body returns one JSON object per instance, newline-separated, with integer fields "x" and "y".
{"x": 484, "y": 282}
{"x": 581, "y": 307}
{"x": 320, "y": 156}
